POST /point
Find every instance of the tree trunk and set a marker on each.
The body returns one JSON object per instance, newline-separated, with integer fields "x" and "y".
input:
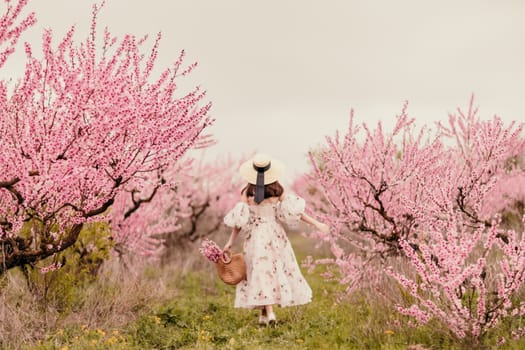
{"x": 19, "y": 251}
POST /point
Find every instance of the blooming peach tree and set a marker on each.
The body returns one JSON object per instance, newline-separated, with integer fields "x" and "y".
{"x": 10, "y": 30}
{"x": 189, "y": 205}
{"x": 423, "y": 198}
{"x": 141, "y": 215}
{"x": 212, "y": 188}
{"x": 84, "y": 124}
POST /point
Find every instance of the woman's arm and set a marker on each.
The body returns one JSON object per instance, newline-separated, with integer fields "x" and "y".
{"x": 310, "y": 220}
{"x": 319, "y": 225}
{"x": 233, "y": 236}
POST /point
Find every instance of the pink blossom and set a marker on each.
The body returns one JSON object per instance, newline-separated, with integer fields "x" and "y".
{"x": 80, "y": 130}
{"x": 210, "y": 250}
{"x": 147, "y": 217}
{"x": 429, "y": 202}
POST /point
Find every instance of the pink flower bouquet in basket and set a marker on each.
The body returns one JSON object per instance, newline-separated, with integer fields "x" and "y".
{"x": 231, "y": 267}
{"x": 210, "y": 250}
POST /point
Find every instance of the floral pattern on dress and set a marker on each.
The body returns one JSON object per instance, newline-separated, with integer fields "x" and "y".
{"x": 238, "y": 216}
{"x": 273, "y": 275}
{"x": 289, "y": 210}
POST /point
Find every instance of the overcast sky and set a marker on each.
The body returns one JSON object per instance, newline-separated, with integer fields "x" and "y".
{"x": 283, "y": 74}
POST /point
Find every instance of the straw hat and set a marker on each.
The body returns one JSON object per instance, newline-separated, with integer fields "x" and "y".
{"x": 273, "y": 169}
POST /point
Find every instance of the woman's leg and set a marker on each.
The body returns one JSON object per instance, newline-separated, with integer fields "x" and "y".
{"x": 270, "y": 314}
{"x": 263, "y": 318}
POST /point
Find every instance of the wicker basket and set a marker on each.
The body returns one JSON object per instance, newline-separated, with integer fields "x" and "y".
{"x": 231, "y": 268}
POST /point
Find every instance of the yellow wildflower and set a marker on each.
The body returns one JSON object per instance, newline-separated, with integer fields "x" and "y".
{"x": 111, "y": 340}
{"x": 389, "y": 332}
{"x": 204, "y": 336}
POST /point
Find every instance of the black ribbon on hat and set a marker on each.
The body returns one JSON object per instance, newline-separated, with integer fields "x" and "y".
{"x": 259, "y": 186}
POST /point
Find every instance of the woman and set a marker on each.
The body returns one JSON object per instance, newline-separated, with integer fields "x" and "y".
{"x": 273, "y": 275}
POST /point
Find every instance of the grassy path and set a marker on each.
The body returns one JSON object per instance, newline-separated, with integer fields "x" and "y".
{"x": 201, "y": 316}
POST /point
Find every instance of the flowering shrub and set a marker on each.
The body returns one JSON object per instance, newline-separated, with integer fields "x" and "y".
{"x": 157, "y": 221}
{"x": 204, "y": 195}
{"x": 416, "y": 204}
{"x": 10, "y": 32}
{"x": 210, "y": 250}
{"x": 83, "y": 126}
{"x": 142, "y": 215}
{"x": 53, "y": 267}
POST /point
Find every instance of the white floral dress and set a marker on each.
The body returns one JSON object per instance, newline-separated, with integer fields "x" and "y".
{"x": 273, "y": 275}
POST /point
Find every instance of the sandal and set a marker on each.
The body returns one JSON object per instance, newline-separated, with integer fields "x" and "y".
{"x": 271, "y": 318}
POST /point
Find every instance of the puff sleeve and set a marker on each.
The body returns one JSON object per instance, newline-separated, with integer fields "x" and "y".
{"x": 238, "y": 216}
{"x": 290, "y": 209}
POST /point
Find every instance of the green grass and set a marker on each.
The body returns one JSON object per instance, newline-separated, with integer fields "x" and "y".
{"x": 201, "y": 316}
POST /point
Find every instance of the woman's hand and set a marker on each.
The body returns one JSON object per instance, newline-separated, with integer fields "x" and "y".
{"x": 227, "y": 246}
{"x": 324, "y": 228}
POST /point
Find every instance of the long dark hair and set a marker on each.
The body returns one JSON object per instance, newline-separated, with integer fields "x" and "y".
{"x": 271, "y": 190}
